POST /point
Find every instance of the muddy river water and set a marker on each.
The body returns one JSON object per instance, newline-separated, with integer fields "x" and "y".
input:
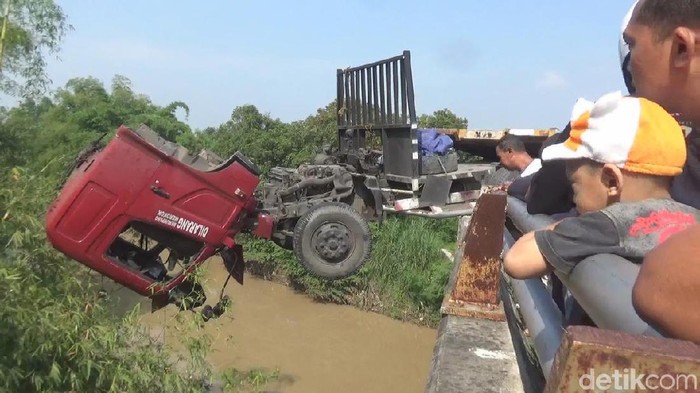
{"x": 316, "y": 347}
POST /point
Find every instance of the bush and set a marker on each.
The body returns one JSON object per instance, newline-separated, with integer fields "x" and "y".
{"x": 57, "y": 334}
{"x": 408, "y": 267}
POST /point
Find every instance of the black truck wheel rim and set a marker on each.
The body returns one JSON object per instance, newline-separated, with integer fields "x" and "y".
{"x": 332, "y": 241}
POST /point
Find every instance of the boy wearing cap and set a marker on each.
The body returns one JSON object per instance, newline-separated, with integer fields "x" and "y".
{"x": 621, "y": 156}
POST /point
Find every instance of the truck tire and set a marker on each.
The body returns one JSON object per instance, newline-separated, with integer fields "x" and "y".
{"x": 332, "y": 241}
{"x": 431, "y": 164}
{"x": 500, "y": 176}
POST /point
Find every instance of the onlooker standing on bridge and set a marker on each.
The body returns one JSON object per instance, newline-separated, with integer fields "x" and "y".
{"x": 513, "y": 156}
{"x": 621, "y": 156}
{"x": 664, "y": 42}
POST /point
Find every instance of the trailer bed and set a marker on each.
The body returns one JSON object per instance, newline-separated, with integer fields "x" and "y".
{"x": 464, "y": 171}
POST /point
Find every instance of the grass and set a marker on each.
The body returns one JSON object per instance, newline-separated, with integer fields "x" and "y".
{"x": 252, "y": 381}
{"x": 405, "y": 277}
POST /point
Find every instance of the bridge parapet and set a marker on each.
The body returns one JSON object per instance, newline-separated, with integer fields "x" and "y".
{"x": 505, "y": 335}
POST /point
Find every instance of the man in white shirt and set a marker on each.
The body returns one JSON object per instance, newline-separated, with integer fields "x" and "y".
{"x": 513, "y": 156}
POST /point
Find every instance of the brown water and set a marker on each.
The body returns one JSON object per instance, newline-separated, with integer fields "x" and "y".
{"x": 316, "y": 347}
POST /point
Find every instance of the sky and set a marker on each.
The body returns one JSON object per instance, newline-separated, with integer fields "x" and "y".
{"x": 499, "y": 63}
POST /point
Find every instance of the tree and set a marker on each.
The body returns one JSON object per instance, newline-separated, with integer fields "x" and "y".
{"x": 38, "y": 131}
{"x": 30, "y": 28}
{"x": 443, "y": 118}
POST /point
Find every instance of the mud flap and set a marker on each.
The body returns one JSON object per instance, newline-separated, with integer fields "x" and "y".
{"x": 372, "y": 184}
{"x": 435, "y": 192}
{"x": 233, "y": 261}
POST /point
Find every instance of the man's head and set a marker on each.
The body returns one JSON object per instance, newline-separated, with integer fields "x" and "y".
{"x": 620, "y": 149}
{"x": 664, "y": 42}
{"x": 512, "y": 154}
{"x": 624, "y": 51}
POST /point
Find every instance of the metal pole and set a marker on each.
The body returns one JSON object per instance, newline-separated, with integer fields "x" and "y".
{"x": 540, "y": 314}
{"x": 427, "y": 214}
{"x": 602, "y": 285}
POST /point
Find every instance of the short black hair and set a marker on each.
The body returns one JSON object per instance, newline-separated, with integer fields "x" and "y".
{"x": 663, "y": 16}
{"x": 512, "y": 142}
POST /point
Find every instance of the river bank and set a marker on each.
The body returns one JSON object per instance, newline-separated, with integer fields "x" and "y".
{"x": 310, "y": 346}
{"x": 404, "y": 279}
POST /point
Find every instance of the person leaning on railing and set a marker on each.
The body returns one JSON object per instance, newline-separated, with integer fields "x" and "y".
{"x": 664, "y": 42}
{"x": 621, "y": 156}
{"x": 513, "y": 155}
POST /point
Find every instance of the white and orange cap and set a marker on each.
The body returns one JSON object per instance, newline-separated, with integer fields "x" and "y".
{"x": 634, "y": 134}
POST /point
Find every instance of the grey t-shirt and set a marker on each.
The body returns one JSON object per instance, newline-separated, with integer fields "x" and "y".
{"x": 686, "y": 186}
{"x": 629, "y": 230}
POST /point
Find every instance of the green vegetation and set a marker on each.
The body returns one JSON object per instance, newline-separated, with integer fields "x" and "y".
{"x": 442, "y": 118}
{"x": 253, "y": 381}
{"x": 29, "y": 30}
{"x": 56, "y": 333}
{"x": 405, "y": 278}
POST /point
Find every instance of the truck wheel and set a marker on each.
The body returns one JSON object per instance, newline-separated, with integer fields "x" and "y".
{"x": 332, "y": 241}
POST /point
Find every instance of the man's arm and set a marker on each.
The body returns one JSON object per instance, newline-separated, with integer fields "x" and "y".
{"x": 667, "y": 291}
{"x": 519, "y": 187}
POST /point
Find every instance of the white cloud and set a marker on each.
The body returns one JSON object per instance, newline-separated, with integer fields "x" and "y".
{"x": 552, "y": 80}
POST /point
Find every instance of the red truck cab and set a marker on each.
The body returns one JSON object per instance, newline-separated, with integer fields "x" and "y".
{"x": 145, "y": 214}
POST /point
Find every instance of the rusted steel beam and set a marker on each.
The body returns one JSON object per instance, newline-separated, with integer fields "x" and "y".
{"x": 592, "y": 359}
{"x": 473, "y": 290}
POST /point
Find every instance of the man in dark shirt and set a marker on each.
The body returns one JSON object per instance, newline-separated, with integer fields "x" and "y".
{"x": 663, "y": 37}
{"x": 548, "y": 190}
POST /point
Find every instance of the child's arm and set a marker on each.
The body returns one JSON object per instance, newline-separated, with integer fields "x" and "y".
{"x": 562, "y": 246}
{"x": 524, "y": 259}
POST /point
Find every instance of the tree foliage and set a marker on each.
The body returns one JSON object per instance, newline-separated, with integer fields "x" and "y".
{"x": 31, "y": 29}
{"x": 60, "y": 125}
{"x": 443, "y": 118}
{"x": 265, "y": 140}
